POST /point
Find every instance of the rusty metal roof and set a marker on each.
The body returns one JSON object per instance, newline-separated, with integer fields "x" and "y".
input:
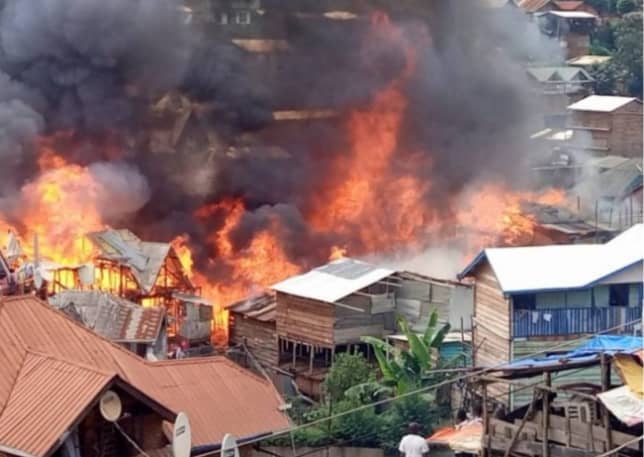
{"x": 38, "y": 412}
{"x": 144, "y": 258}
{"x": 262, "y": 307}
{"x": 218, "y": 396}
{"x": 113, "y": 317}
{"x": 532, "y": 6}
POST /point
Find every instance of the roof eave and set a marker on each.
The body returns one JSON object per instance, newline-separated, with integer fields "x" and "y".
{"x": 472, "y": 265}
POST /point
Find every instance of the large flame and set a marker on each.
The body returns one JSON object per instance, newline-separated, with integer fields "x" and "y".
{"x": 368, "y": 204}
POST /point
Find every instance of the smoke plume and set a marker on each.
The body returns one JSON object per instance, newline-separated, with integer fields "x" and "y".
{"x": 95, "y": 68}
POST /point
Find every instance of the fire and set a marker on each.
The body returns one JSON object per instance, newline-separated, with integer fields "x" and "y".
{"x": 59, "y": 208}
{"x": 256, "y": 266}
{"x": 370, "y": 203}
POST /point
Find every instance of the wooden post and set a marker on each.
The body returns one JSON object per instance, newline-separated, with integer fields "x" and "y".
{"x": 294, "y": 346}
{"x": 605, "y": 374}
{"x": 311, "y": 353}
{"x": 515, "y": 437}
{"x": 486, "y": 425}
{"x": 546, "y": 415}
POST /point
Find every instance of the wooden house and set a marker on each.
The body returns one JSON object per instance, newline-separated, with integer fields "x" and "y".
{"x": 607, "y": 125}
{"x": 571, "y": 28}
{"x": 151, "y": 274}
{"x": 252, "y": 328}
{"x": 330, "y": 308}
{"x": 558, "y": 87}
{"x": 527, "y": 298}
{"x": 52, "y": 385}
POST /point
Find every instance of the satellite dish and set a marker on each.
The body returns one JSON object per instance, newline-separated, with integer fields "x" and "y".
{"x": 86, "y": 274}
{"x": 110, "y": 406}
{"x": 181, "y": 436}
{"x": 38, "y": 280}
{"x": 229, "y": 446}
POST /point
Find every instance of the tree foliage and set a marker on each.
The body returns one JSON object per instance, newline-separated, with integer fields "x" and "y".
{"x": 347, "y": 371}
{"x": 626, "y": 6}
{"x": 407, "y": 370}
{"x": 628, "y": 55}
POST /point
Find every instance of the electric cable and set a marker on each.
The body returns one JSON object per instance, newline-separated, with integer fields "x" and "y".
{"x": 424, "y": 389}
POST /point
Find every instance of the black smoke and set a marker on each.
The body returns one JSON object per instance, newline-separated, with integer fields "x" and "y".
{"x": 95, "y": 68}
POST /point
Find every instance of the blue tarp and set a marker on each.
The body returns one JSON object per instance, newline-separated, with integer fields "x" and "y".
{"x": 587, "y": 352}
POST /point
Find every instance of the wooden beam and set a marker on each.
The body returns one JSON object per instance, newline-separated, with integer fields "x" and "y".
{"x": 311, "y": 354}
{"x": 605, "y": 377}
{"x": 487, "y": 452}
{"x": 546, "y": 415}
{"x": 526, "y": 416}
{"x": 352, "y": 308}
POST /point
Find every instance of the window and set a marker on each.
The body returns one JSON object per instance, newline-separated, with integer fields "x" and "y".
{"x": 524, "y": 301}
{"x": 618, "y": 294}
{"x": 242, "y": 17}
{"x": 223, "y": 18}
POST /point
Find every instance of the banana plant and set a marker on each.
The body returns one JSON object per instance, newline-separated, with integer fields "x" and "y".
{"x": 408, "y": 370}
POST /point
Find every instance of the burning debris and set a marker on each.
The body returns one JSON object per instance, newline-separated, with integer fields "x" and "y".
{"x": 121, "y": 114}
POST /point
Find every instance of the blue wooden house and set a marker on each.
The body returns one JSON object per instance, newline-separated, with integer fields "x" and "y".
{"x": 529, "y": 299}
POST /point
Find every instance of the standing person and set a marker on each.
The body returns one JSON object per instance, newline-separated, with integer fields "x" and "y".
{"x": 412, "y": 444}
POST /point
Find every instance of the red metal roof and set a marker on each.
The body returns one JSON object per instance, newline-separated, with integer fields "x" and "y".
{"x": 38, "y": 413}
{"x": 532, "y": 6}
{"x": 568, "y": 5}
{"x": 218, "y": 396}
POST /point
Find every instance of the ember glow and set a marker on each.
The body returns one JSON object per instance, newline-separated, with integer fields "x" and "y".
{"x": 372, "y": 200}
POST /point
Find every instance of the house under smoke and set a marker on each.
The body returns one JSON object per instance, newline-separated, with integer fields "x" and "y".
{"x": 151, "y": 274}
{"x": 309, "y": 318}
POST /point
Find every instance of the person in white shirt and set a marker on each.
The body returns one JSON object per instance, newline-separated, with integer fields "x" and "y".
{"x": 413, "y": 445}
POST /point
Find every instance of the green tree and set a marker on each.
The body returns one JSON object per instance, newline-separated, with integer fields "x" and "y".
{"x": 628, "y": 56}
{"x": 407, "y": 370}
{"x": 602, "y": 6}
{"x": 347, "y": 371}
{"x": 626, "y": 6}
{"x": 605, "y": 78}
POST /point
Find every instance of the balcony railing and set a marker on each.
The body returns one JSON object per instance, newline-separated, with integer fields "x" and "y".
{"x": 574, "y": 321}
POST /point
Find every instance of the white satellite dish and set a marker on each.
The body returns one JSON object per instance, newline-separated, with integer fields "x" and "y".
{"x": 86, "y": 274}
{"x": 181, "y": 436}
{"x": 229, "y": 446}
{"x": 110, "y": 406}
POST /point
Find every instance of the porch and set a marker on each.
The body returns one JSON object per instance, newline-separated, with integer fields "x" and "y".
{"x": 575, "y": 321}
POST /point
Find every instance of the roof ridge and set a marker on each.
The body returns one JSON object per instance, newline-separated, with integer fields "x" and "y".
{"x": 82, "y": 365}
{"x": 71, "y": 321}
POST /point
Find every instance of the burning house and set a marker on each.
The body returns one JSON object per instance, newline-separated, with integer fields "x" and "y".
{"x": 262, "y": 158}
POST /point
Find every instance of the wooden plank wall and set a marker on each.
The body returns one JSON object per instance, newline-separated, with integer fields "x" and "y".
{"x": 260, "y": 338}
{"x": 304, "y": 320}
{"x": 491, "y": 336}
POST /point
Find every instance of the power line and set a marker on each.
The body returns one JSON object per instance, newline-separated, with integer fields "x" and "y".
{"x": 424, "y": 389}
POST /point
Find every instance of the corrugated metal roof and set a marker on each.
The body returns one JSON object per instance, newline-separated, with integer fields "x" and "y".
{"x": 533, "y": 268}
{"x": 560, "y": 74}
{"x": 588, "y": 60}
{"x": 333, "y": 281}
{"x": 572, "y": 14}
{"x": 532, "y": 5}
{"x": 601, "y": 103}
{"x": 568, "y": 5}
{"x": 218, "y": 396}
{"x": 262, "y": 307}
{"x": 144, "y": 258}
{"x": 48, "y": 396}
{"x": 111, "y": 316}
